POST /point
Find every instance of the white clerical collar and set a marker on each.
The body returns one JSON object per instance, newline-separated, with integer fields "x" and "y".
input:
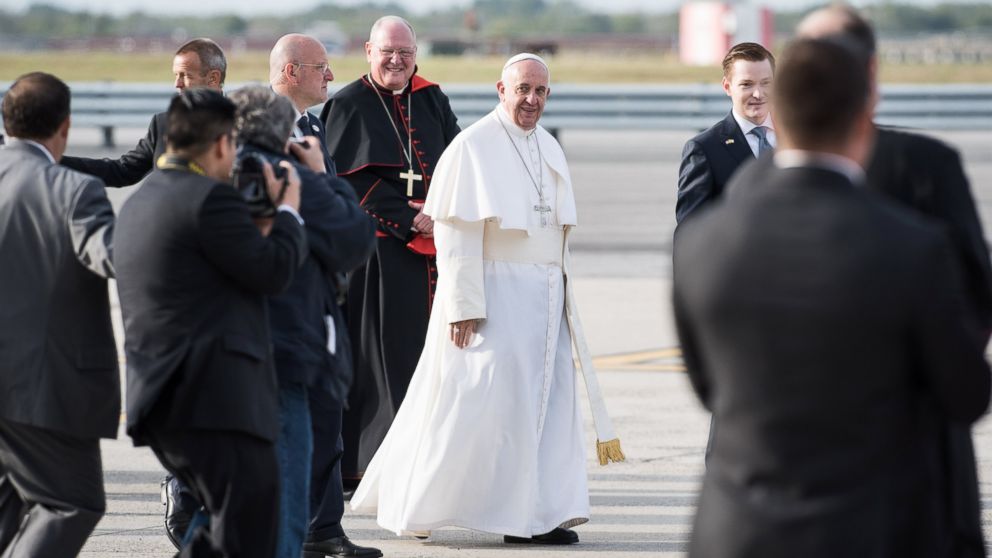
{"x": 794, "y": 158}
{"x": 746, "y": 125}
{"x": 393, "y": 91}
{"x": 36, "y": 144}
{"x": 510, "y": 125}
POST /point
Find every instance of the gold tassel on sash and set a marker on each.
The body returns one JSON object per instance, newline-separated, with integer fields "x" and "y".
{"x": 609, "y": 451}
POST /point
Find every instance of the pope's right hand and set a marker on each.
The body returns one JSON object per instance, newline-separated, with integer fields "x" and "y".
{"x": 461, "y": 333}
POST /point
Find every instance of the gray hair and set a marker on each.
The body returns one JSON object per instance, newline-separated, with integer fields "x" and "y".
{"x": 264, "y": 118}
{"x": 390, "y": 19}
{"x": 210, "y": 54}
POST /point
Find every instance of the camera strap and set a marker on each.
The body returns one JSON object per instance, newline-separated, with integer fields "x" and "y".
{"x": 175, "y": 162}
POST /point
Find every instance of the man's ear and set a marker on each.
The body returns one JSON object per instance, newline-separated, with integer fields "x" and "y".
{"x": 213, "y": 78}
{"x": 222, "y": 146}
{"x": 64, "y": 128}
{"x": 726, "y": 85}
{"x": 873, "y": 82}
{"x": 500, "y": 89}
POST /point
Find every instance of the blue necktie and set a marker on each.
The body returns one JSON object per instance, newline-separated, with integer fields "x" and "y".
{"x": 763, "y": 144}
{"x": 304, "y": 125}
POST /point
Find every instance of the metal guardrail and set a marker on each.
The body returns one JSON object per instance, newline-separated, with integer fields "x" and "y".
{"x": 571, "y": 106}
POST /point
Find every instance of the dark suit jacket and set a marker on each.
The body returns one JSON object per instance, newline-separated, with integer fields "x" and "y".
{"x": 340, "y": 237}
{"x": 708, "y": 162}
{"x": 927, "y": 175}
{"x": 131, "y": 166}
{"x": 316, "y": 129}
{"x": 193, "y": 272}
{"x": 824, "y": 328}
{"x": 58, "y": 360}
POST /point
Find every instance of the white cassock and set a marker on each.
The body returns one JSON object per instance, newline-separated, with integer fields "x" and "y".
{"x": 490, "y": 437}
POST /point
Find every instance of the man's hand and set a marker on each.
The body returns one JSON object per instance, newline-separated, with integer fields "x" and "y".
{"x": 309, "y": 154}
{"x": 291, "y": 194}
{"x": 461, "y": 333}
{"x": 423, "y": 224}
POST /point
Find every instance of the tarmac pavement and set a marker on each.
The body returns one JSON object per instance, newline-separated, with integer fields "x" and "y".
{"x": 625, "y": 189}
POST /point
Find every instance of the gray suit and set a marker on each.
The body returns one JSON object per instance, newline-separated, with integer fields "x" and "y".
{"x": 59, "y": 382}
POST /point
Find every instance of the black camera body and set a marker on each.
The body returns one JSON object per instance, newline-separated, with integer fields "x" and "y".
{"x": 249, "y": 181}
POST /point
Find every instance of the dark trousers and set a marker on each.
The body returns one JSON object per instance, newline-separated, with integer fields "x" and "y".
{"x": 236, "y": 478}
{"x": 326, "y": 493}
{"x": 51, "y": 491}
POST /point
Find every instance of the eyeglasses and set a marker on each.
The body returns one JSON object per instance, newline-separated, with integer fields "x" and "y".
{"x": 322, "y": 68}
{"x": 405, "y": 53}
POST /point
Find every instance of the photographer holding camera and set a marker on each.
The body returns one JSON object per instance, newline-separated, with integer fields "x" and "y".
{"x": 193, "y": 273}
{"x": 309, "y": 336}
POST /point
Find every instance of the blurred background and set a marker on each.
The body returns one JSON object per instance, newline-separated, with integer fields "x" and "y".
{"x": 657, "y": 41}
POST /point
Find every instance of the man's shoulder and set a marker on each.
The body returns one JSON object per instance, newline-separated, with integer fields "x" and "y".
{"x": 75, "y": 178}
{"x": 420, "y": 84}
{"x": 906, "y": 142}
{"x": 717, "y": 132}
{"x": 35, "y": 167}
{"x": 183, "y": 185}
{"x": 160, "y": 122}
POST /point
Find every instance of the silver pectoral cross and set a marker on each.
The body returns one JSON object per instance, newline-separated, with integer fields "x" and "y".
{"x": 410, "y": 176}
{"x": 543, "y": 210}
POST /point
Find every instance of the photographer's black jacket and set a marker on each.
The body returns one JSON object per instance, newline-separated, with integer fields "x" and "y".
{"x": 340, "y": 237}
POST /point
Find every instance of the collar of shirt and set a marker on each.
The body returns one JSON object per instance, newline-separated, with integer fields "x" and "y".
{"x": 511, "y": 126}
{"x": 794, "y": 158}
{"x": 296, "y": 120}
{"x": 36, "y": 144}
{"x": 752, "y": 140}
{"x": 746, "y": 125}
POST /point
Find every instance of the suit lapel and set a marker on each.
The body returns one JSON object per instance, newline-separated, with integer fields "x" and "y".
{"x": 733, "y": 139}
{"x": 317, "y": 129}
{"x": 314, "y": 128}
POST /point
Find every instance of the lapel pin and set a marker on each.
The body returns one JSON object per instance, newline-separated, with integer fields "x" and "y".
{"x": 315, "y": 128}
{"x": 729, "y": 141}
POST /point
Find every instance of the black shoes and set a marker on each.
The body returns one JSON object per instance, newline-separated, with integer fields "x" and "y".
{"x": 338, "y": 547}
{"x": 180, "y": 505}
{"x": 557, "y": 536}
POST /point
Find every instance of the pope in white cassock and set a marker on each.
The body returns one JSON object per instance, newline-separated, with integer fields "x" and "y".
{"x": 489, "y": 436}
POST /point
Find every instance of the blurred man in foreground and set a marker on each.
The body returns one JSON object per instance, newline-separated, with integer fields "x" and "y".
{"x": 825, "y": 338}
{"x": 926, "y": 175}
